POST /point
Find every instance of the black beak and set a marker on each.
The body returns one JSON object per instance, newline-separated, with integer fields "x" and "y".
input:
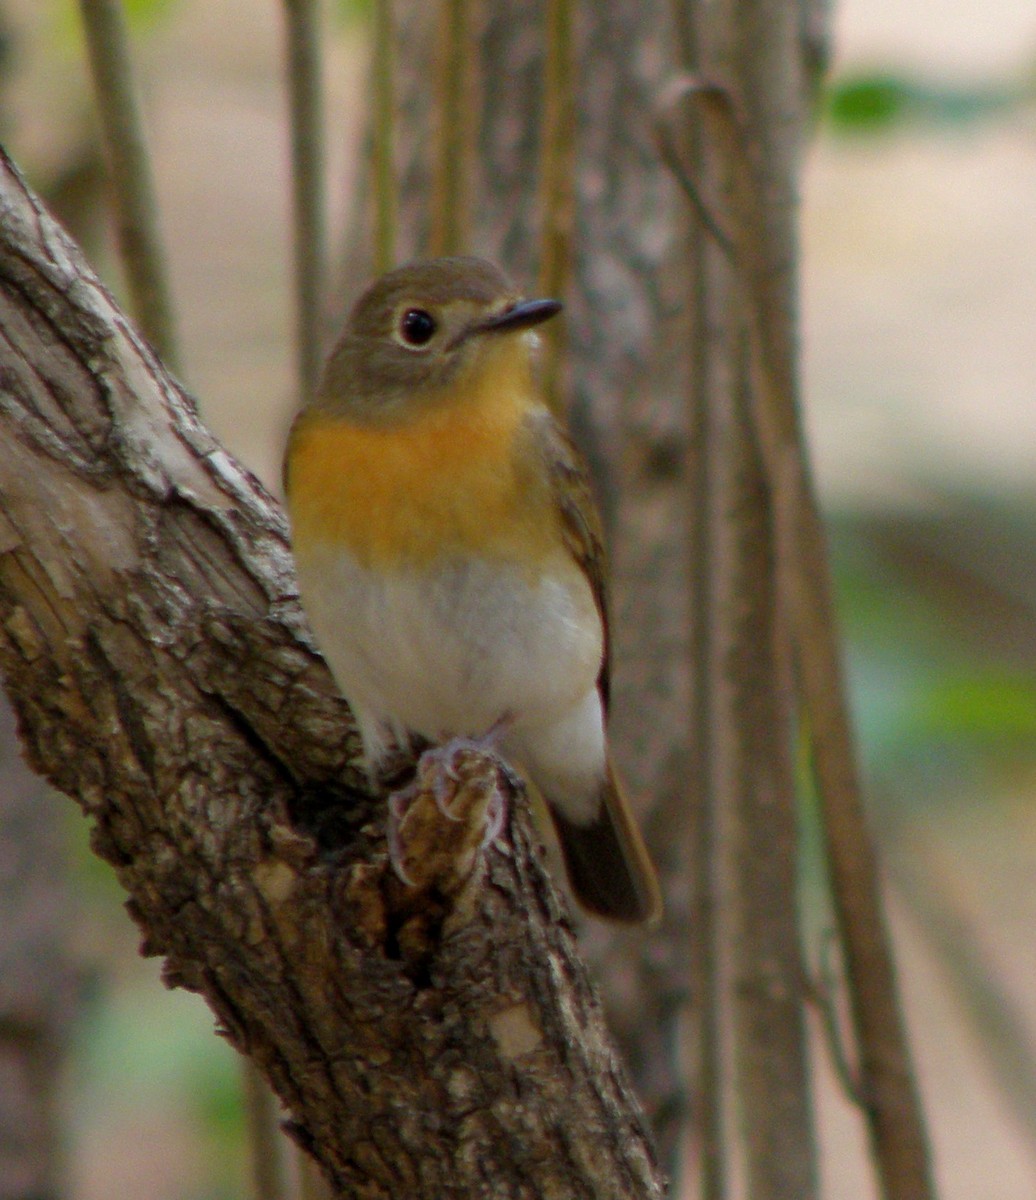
{"x": 522, "y": 315}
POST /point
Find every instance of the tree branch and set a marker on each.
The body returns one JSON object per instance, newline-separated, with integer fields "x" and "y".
{"x": 440, "y": 1040}
{"x": 454, "y": 130}
{"x": 133, "y": 189}
{"x": 557, "y": 183}
{"x": 383, "y": 147}
{"x": 303, "y": 48}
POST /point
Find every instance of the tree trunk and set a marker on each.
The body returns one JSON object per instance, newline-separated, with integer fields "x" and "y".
{"x": 430, "y": 1041}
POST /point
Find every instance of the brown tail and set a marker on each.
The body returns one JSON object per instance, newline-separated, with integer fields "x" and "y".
{"x": 607, "y": 861}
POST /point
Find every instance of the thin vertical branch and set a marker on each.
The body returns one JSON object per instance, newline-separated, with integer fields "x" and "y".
{"x": 742, "y": 715}
{"x": 705, "y": 959}
{"x": 888, "y": 1084}
{"x": 304, "y": 59}
{"x": 767, "y": 257}
{"x": 133, "y": 190}
{"x": 455, "y": 144}
{"x": 744, "y": 719}
{"x": 557, "y": 178}
{"x": 761, "y": 142}
{"x": 708, "y": 1123}
{"x": 761, "y": 58}
{"x": 771, "y": 1056}
{"x": 745, "y": 714}
{"x": 706, "y": 982}
{"x": 384, "y": 138}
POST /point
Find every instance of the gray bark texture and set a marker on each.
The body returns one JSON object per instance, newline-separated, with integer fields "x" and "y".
{"x": 435, "y": 1040}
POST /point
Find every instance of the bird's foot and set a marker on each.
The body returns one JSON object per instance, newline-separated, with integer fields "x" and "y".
{"x": 442, "y": 764}
{"x": 445, "y": 760}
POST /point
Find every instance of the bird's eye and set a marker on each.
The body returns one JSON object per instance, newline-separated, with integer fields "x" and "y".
{"x": 416, "y": 327}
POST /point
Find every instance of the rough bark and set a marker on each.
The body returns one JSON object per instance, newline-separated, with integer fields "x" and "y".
{"x": 435, "y": 1040}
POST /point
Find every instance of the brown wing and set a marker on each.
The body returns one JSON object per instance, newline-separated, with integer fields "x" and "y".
{"x": 608, "y": 865}
{"x": 580, "y": 522}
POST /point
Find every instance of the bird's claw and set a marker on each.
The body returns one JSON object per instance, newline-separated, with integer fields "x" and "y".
{"x": 442, "y": 763}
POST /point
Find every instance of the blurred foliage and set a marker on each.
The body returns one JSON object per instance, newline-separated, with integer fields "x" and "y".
{"x": 930, "y": 623}
{"x": 97, "y": 888}
{"x": 880, "y": 101}
{"x": 983, "y": 710}
{"x": 140, "y": 1047}
{"x": 351, "y": 12}
{"x": 141, "y": 1044}
{"x": 142, "y": 16}
{"x": 937, "y": 608}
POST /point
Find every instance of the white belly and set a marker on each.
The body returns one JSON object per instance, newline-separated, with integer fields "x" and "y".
{"x": 451, "y": 652}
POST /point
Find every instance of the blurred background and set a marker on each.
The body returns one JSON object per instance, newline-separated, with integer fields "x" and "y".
{"x": 919, "y": 329}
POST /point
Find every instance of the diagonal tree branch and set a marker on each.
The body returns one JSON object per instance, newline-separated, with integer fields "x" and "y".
{"x": 440, "y": 1040}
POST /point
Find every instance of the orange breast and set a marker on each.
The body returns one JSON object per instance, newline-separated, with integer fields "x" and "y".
{"x": 455, "y": 478}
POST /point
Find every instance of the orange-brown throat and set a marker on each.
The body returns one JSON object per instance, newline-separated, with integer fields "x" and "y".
{"x": 450, "y": 475}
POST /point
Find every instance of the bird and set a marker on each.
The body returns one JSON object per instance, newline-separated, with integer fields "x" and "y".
{"x": 450, "y": 557}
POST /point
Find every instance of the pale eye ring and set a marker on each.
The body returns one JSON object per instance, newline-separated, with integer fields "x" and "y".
{"x": 417, "y": 327}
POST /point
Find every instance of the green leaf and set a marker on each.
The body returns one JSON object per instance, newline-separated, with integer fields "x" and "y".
{"x": 992, "y": 709}
{"x": 879, "y": 101}
{"x": 868, "y": 103}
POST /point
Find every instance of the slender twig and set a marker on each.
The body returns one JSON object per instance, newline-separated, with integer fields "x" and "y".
{"x": 557, "y": 178}
{"x": 384, "y": 138}
{"x": 709, "y": 1117}
{"x": 669, "y": 131}
{"x": 743, "y": 717}
{"x": 706, "y": 958}
{"x": 133, "y": 190}
{"x": 822, "y": 994}
{"x": 303, "y": 46}
{"x": 887, "y": 1079}
{"x": 706, "y": 982}
{"x": 754, "y": 783}
{"x": 456, "y": 124}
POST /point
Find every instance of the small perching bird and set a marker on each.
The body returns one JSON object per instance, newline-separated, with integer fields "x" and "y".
{"x": 450, "y": 557}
